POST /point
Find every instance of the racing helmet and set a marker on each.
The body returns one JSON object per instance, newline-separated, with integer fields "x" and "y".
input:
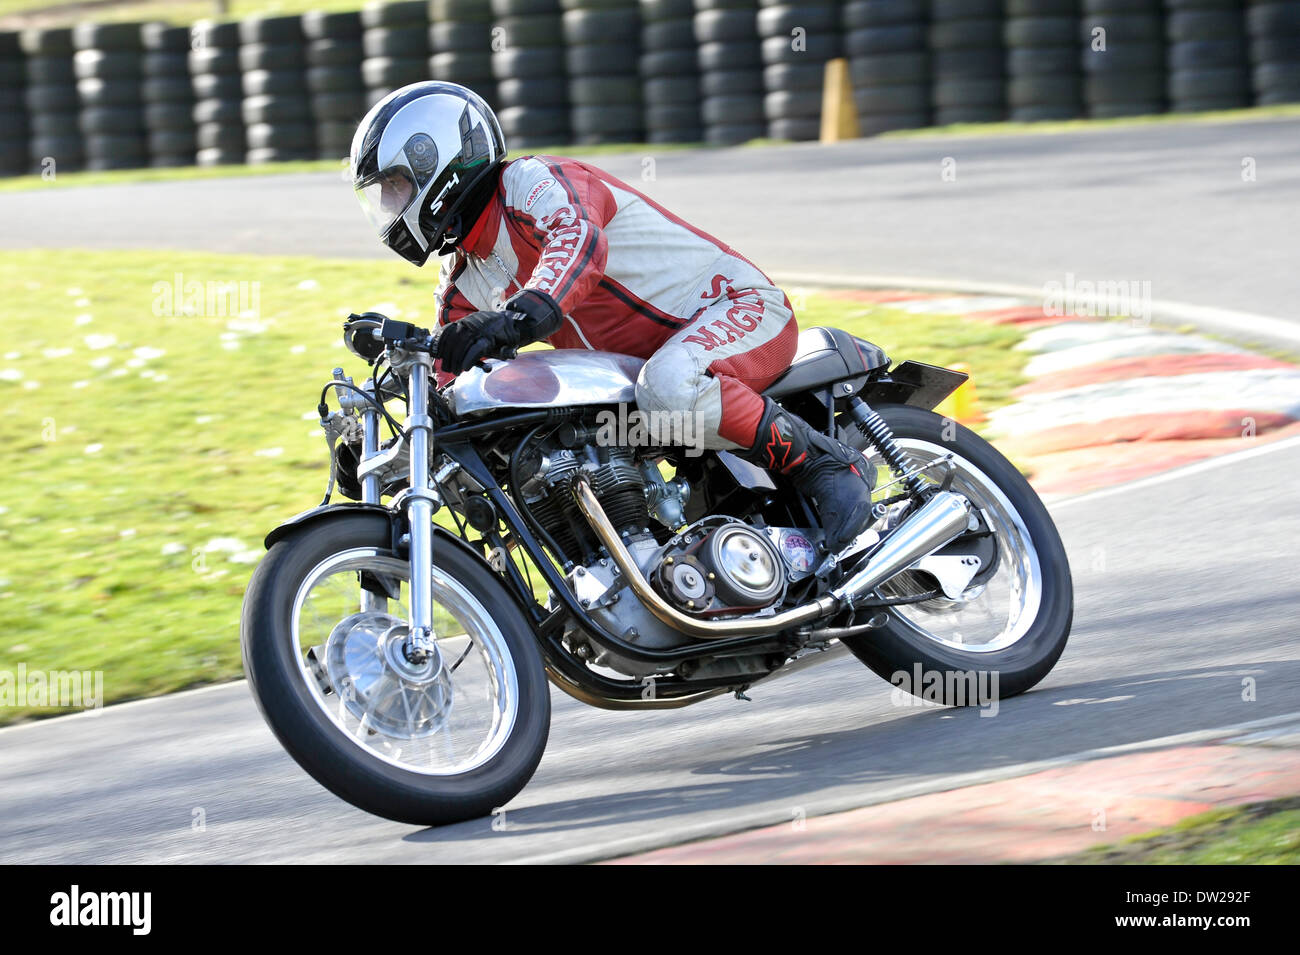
{"x": 424, "y": 164}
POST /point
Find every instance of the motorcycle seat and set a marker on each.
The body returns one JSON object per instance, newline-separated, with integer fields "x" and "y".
{"x": 823, "y": 357}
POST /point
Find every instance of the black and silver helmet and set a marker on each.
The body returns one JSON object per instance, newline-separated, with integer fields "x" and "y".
{"x": 424, "y": 163}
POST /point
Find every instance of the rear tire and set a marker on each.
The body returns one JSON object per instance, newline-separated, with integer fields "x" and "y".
{"x": 900, "y": 646}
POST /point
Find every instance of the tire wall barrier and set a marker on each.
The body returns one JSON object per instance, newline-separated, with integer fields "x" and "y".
{"x": 49, "y": 110}
{"x": 395, "y": 46}
{"x": 1042, "y": 66}
{"x": 796, "y": 40}
{"x": 272, "y": 88}
{"x": 460, "y": 45}
{"x": 15, "y": 130}
{"x": 1123, "y": 57}
{"x": 336, "y": 93}
{"x": 1273, "y": 51}
{"x": 730, "y": 58}
{"x": 276, "y": 108}
{"x": 108, "y": 62}
{"x": 168, "y": 95}
{"x": 1206, "y": 60}
{"x": 887, "y": 47}
{"x": 602, "y": 51}
{"x": 218, "y": 94}
{"x": 670, "y": 73}
{"x": 967, "y": 61}
{"x": 531, "y": 71}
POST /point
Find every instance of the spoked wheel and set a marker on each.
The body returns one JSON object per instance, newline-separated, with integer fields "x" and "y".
{"x": 323, "y": 631}
{"x": 1014, "y": 617}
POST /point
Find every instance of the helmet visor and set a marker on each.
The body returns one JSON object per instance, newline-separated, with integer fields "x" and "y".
{"x": 385, "y": 196}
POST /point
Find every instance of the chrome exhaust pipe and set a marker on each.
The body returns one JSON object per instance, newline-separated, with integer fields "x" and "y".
{"x": 691, "y": 626}
{"x": 943, "y": 517}
{"x": 940, "y": 519}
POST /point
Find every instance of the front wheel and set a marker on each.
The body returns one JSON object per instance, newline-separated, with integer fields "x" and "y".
{"x": 323, "y": 625}
{"x": 1011, "y": 626}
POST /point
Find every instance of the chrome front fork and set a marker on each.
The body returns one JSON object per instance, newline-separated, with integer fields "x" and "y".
{"x": 370, "y": 491}
{"x": 422, "y": 500}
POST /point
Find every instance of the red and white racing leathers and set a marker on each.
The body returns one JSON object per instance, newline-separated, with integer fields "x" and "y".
{"x": 633, "y": 278}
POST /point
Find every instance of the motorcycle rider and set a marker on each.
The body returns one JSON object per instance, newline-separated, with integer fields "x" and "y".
{"x": 545, "y": 248}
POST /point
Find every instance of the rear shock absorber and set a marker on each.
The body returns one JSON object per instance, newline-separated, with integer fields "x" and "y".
{"x": 877, "y": 432}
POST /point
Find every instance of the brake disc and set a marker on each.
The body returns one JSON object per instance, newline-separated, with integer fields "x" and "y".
{"x": 379, "y": 686}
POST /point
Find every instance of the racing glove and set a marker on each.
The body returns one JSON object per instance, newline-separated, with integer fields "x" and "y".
{"x": 527, "y": 317}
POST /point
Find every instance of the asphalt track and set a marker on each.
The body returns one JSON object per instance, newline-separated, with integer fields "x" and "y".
{"x": 1160, "y": 203}
{"x": 1185, "y": 584}
{"x": 1185, "y": 589}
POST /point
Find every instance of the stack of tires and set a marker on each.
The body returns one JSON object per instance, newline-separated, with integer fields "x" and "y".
{"x": 1123, "y": 57}
{"x": 13, "y": 109}
{"x": 602, "y": 53}
{"x": 1206, "y": 54}
{"x": 107, "y": 65}
{"x": 460, "y": 45}
{"x": 967, "y": 61}
{"x": 218, "y": 93}
{"x": 731, "y": 71}
{"x": 1044, "y": 77}
{"x": 670, "y": 76}
{"x": 1274, "y": 30}
{"x": 168, "y": 95}
{"x": 529, "y": 65}
{"x": 396, "y": 46}
{"x": 276, "y": 109}
{"x": 51, "y": 99}
{"x": 889, "y": 63}
{"x": 797, "y": 40}
{"x": 338, "y": 97}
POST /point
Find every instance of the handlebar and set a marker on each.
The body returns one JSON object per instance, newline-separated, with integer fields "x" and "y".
{"x": 409, "y": 337}
{"x": 368, "y": 334}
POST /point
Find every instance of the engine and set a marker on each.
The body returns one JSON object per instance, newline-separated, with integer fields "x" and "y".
{"x": 616, "y": 479}
{"x": 720, "y": 566}
{"x": 715, "y": 566}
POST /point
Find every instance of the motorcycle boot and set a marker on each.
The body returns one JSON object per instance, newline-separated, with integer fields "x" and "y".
{"x": 834, "y": 476}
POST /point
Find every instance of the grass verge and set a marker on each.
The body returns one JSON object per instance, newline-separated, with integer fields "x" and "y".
{"x": 120, "y": 177}
{"x": 1248, "y": 114}
{"x": 1262, "y": 833}
{"x": 22, "y": 13}
{"x": 150, "y": 440}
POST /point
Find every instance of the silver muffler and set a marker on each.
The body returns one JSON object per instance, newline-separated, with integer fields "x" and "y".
{"x": 939, "y": 520}
{"x": 942, "y": 518}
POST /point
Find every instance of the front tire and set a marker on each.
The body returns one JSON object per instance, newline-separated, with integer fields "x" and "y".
{"x": 1033, "y": 574}
{"x": 403, "y": 751}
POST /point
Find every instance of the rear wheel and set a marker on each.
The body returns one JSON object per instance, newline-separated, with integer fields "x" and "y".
{"x": 322, "y": 630}
{"x": 1012, "y": 622}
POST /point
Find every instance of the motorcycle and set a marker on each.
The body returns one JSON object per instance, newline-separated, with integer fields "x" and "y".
{"x": 506, "y": 533}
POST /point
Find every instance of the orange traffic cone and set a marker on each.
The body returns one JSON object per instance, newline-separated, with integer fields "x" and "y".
{"x": 962, "y": 405}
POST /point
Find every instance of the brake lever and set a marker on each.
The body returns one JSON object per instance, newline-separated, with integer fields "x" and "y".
{"x": 501, "y": 354}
